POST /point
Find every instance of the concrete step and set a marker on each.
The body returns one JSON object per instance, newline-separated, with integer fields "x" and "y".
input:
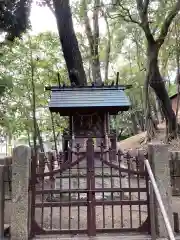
{"x": 102, "y": 237}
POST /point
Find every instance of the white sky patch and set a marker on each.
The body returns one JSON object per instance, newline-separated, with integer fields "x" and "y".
{"x": 42, "y": 19}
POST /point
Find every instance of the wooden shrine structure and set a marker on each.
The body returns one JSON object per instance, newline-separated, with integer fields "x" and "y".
{"x": 89, "y": 191}
{"x": 89, "y": 109}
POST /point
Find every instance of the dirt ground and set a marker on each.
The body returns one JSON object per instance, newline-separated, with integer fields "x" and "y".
{"x": 106, "y": 217}
{"x": 109, "y": 214}
{"x": 138, "y": 141}
{"x": 65, "y": 212}
{"x": 67, "y": 217}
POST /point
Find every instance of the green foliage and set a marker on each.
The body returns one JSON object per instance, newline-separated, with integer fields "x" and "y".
{"x": 16, "y": 64}
{"x": 172, "y": 89}
{"x": 14, "y": 17}
{"x": 127, "y": 56}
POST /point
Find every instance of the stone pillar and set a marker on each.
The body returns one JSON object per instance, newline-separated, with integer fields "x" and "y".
{"x": 158, "y": 157}
{"x": 20, "y": 195}
{"x": 175, "y": 172}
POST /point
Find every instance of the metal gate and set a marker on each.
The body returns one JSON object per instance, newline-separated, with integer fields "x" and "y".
{"x": 89, "y": 193}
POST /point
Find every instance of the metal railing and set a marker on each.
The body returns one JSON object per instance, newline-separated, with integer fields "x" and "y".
{"x": 159, "y": 200}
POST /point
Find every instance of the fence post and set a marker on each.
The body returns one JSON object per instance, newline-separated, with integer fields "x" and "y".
{"x": 91, "y": 221}
{"x": 20, "y": 193}
{"x": 2, "y": 199}
{"x": 158, "y": 157}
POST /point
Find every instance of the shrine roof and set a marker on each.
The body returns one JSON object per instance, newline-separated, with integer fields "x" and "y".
{"x": 88, "y": 97}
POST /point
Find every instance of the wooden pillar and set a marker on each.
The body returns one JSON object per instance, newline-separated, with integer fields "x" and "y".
{"x": 105, "y": 130}
{"x": 70, "y": 125}
{"x": 91, "y": 215}
{"x": 108, "y": 123}
{"x": 106, "y": 140}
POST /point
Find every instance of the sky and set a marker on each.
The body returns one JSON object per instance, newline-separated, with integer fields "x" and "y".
{"x": 42, "y": 19}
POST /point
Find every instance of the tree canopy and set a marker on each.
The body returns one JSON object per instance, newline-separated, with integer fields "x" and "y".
{"x": 14, "y": 17}
{"x": 134, "y": 38}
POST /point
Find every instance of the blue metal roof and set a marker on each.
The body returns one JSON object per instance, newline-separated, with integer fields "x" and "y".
{"x": 84, "y": 98}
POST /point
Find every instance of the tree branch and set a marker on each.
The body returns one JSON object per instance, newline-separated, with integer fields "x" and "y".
{"x": 127, "y": 17}
{"x": 108, "y": 47}
{"x": 145, "y": 8}
{"x": 167, "y": 22}
{"x": 50, "y": 6}
{"x": 96, "y": 25}
{"x": 124, "y": 17}
{"x": 142, "y": 10}
{"x": 88, "y": 26}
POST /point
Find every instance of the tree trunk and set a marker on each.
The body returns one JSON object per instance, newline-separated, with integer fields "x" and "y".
{"x": 154, "y": 107}
{"x": 33, "y": 100}
{"x": 96, "y": 70}
{"x": 54, "y": 133}
{"x": 95, "y": 60}
{"x": 156, "y": 82}
{"x": 149, "y": 121}
{"x": 178, "y": 101}
{"x": 138, "y": 120}
{"x": 29, "y": 139}
{"x": 134, "y": 124}
{"x": 140, "y": 116}
{"x": 108, "y": 48}
{"x": 39, "y": 137}
{"x": 178, "y": 79}
{"x": 159, "y": 110}
{"x": 69, "y": 42}
{"x": 93, "y": 39}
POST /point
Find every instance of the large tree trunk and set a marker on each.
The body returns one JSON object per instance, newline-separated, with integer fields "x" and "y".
{"x": 95, "y": 60}
{"x": 93, "y": 39}
{"x": 140, "y": 117}
{"x": 156, "y": 82}
{"x": 134, "y": 124}
{"x": 69, "y": 42}
{"x": 154, "y": 77}
{"x": 159, "y": 110}
{"x": 29, "y": 138}
{"x": 108, "y": 48}
{"x": 154, "y": 107}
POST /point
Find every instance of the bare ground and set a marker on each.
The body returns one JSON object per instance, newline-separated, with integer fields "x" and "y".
{"x": 138, "y": 141}
{"x": 106, "y": 217}
{"x": 99, "y": 216}
{"x": 66, "y": 217}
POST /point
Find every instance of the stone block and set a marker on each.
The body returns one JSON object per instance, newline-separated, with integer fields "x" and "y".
{"x": 158, "y": 157}
{"x": 175, "y": 172}
{"x": 20, "y": 195}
